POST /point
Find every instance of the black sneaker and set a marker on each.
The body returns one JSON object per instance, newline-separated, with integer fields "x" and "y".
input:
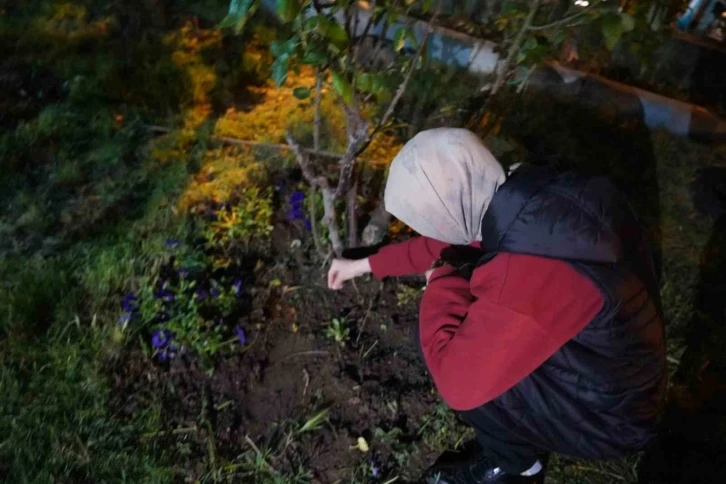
{"x": 481, "y": 471}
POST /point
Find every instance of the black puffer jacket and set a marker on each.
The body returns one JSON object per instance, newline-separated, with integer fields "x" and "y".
{"x": 600, "y": 395}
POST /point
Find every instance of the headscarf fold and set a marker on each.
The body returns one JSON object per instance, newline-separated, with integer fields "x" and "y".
{"x": 440, "y": 184}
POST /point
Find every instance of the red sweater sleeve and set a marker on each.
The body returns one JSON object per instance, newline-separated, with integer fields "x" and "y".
{"x": 415, "y": 256}
{"x": 480, "y": 339}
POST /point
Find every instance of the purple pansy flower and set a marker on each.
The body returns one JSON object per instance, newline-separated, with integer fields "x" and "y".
{"x": 172, "y": 243}
{"x": 375, "y": 469}
{"x": 161, "y": 341}
{"x": 241, "y": 336}
{"x": 129, "y": 303}
{"x": 165, "y": 295}
{"x": 297, "y": 205}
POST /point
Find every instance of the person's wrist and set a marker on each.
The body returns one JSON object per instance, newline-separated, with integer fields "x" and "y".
{"x": 363, "y": 266}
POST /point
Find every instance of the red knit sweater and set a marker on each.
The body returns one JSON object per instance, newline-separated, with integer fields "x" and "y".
{"x": 481, "y": 337}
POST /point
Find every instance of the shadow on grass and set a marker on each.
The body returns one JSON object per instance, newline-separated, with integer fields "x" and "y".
{"x": 694, "y": 430}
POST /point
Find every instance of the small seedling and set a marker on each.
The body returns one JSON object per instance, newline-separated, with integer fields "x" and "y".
{"x": 314, "y": 422}
{"x": 338, "y": 330}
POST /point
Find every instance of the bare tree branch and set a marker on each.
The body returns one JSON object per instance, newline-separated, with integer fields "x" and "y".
{"x": 244, "y": 142}
{"x": 316, "y": 146}
{"x": 331, "y": 220}
{"x": 305, "y": 164}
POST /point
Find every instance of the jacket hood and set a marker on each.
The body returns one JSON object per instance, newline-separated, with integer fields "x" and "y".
{"x": 569, "y": 216}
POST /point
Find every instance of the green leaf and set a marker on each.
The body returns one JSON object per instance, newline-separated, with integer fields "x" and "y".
{"x": 314, "y": 422}
{"x": 612, "y": 29}
{"x": 279, "y": 70}
{"x": 628, "y": 22}
{"x": 427, "y": 4}
{"x": 301, "y": 92}
{"x": 370, "y": 82}
{"x": 314, "y": 57}
{"x": 287, "y": 10}
{"x": 279, "y": 48}
{"x": 411, "y": 35}
{"x": 399, "y": 39}
{"x": 364, "y": 82}
{"x": 341, "y": 84}
{"x": 337, "y": 35}
{"x": 239, "y": 12}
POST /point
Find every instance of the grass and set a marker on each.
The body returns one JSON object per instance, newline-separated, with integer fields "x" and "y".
{"x": 88, "y": 199}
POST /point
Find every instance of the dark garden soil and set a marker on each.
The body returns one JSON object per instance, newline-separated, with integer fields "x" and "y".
{"x": 290, "y": 370}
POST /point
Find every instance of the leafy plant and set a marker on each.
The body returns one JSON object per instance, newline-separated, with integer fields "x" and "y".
{"x": 336, "y": 49}
{"x": 249, "y": 218}
{"x": 186, "y": 307}
{"x": 534, "y": 31}
{"x": 338, "y": 331}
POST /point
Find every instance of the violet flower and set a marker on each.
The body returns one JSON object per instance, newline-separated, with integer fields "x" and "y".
{"x": 297, "y": 206}
{"x": 161, "y": 341}
{"x": 172, "y": 243}
{"x": 129, "y": 303}
{"x": 237, "y": 287}
{"x": 375, "y": 469}
{"x": 124, "y": 318}
{"x": 200, "y": 295}
{"x": 183, "y": 272}
{"x": 241, "y": 336}
{"x": 165, "y": 295}
{"x": 214, "y": 292}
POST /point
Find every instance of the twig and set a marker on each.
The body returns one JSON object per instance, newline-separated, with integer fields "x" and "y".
{"x": 260, "y": 454}
{"x": 522, "y": 86}
{"x": 316, "y": 146}
{"x": 365, "y": 318}
{"x": 305, "y": 165}
{"x": 503, "y": 69}
{"x": 274, "y": 146}
{"x": 565, "y": 20}
{"x": 369, "y": 350}
{"x": 351, "y": 203}
{"x": 409, "y": 75}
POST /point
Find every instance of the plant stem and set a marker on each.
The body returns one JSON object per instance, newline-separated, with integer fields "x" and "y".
{"x": 316, "y": 146}
{"x": 351, "y": 204}
{"x": 503, "y": 70}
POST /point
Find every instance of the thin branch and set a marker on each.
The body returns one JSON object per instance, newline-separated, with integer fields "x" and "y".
{"x": 305, "y": 165}
{"x": 316, "y": 146}
{"x": 503, "y": 69}
{"x": 381, "y": 42}
{"x": 370, "y": 19}
{"x": 409, "y": 75}
{"x": 565, "y": 20}
{"x": 331, "y": 220}
{"x": 243, "y": 142}
{"x": 351, "y": 203}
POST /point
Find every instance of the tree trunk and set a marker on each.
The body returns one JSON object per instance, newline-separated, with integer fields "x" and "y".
{"x": 330, "y": 219}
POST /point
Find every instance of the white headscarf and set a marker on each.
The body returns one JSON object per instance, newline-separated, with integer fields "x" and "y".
{"x": 440, "y": 184}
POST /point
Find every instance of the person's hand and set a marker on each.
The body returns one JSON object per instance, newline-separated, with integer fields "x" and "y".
{"x": 342, "y": 270}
